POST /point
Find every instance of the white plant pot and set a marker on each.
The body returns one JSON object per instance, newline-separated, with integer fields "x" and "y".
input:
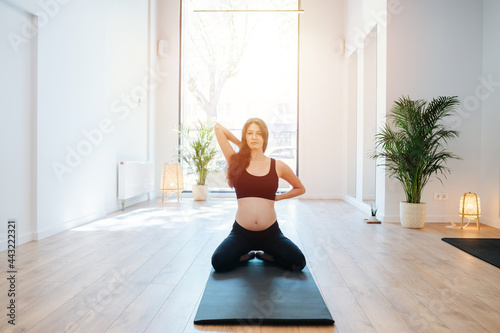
{"x": 200, "y": 192}
{"x": 412, "y": 215}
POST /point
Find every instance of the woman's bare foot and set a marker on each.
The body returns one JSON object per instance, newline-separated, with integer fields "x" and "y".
{"x": 250, "y": 255}
{"x": 264, "y": 256}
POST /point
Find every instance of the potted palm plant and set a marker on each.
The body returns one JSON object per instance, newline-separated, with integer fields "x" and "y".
{"x": 199, "y": 153}
{"x": 411, "y": 147}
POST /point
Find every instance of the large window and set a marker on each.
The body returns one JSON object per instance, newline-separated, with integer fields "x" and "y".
{"x": 239, "y": 61}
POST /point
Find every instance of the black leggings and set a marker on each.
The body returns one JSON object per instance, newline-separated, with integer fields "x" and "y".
{"x": 272, "y": 241}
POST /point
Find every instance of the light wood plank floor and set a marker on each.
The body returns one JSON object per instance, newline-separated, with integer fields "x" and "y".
{"x": 144, "y": 270}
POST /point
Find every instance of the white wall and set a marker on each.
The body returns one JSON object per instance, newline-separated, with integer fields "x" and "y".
{"x": 100, "y": 52}
{"x": 351, "y": 123}
{"x": 322, "y": 141}
{"x": 362, "y": 18}
{"x": 442, "y": 57}
{"x": 490, "y": 116}
{"x": 17, "y": 135}
{"x": 369, "y": 116}
{"x": 93, "y": 60}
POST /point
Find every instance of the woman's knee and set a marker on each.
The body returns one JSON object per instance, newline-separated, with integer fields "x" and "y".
{"x": 222, "y": 261}
{"x": 294, "y": 261}
{"x": 218, "y": 262}
{"x": 299, "y": 262}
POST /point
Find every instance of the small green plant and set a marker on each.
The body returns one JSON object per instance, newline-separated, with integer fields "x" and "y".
{"x": 199, "y": 150}
{"x": 374, "y": 209}
{"x": 411, "y": 146}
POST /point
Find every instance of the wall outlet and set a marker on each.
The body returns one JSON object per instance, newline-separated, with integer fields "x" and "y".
{"x": 440, "y": 196}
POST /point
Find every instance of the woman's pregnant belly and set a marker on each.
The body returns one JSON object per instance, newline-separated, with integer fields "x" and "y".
{"x": 255, "y": 214}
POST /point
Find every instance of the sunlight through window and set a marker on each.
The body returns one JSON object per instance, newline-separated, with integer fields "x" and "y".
{"x": 238, "y": 65}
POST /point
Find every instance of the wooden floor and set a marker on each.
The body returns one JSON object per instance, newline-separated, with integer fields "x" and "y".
{"x": 144, "y": 270}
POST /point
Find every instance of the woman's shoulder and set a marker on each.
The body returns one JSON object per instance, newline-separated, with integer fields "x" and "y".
{"x": 280, "y": 162}
{"x": 281, "y": 166}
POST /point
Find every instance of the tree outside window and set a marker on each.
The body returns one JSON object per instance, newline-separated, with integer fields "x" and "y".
{"x": 239, "y": 65}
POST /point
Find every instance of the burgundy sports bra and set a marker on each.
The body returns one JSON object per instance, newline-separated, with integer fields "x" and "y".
{"x": 258, "y": 186}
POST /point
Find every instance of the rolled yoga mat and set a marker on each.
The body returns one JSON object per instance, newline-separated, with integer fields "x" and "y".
{"x": 259, "y": 293}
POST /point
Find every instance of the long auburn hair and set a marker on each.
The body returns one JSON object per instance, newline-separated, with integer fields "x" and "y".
{"x": 240, "y": 160}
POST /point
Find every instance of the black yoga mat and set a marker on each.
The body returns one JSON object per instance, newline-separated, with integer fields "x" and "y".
{"x": 487, "y": 249}
{"x": 259, "y": 293}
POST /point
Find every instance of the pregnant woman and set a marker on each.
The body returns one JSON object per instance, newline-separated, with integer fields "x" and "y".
{"x": 255, "y": 177}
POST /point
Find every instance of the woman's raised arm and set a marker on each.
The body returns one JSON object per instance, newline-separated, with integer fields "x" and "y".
{"x": 224, "y": 137}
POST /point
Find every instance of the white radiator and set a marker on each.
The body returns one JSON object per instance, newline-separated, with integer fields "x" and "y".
{"x": 134, "y": 179}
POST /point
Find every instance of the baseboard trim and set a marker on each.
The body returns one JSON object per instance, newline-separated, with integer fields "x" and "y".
{"x": 69, "y": 225}
{"x": 495, "y": 223}
{"x": 490, "y": 221}
{"x": 361, "y": 205}
{"x": 135, "y": 200}
{"x": 21, "y": 239}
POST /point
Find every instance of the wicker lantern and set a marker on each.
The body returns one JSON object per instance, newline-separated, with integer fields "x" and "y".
{"x": 171, "y": 180}
{"x": 470, "y": 207}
